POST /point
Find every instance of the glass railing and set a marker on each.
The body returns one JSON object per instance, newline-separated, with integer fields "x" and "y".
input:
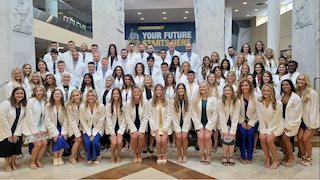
{"x": 74, "y": 19}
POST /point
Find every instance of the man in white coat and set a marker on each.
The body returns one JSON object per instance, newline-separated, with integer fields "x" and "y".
{"x": 172, "y": 52}
{"x": 192, "y": 57}
{"x": 292, "y": 72}
{"x": 142, "y": 54}
{"x": 231, "y": 56}
{"x": 47, "y": 57}
{"x": 132, "y": 55}
{"x": 125, "y": 63}
{"x": 52, "y": 64}
{"x": 86, "y": 54}
{"x": 61, "y": 70}
{"x": 76, "y": 67}
{"x": 192, "y": 86}
{"x": 97, "y": 79}
{"x": 96, "y": 60}
{"x": 150, "y": 51}
{"x": 153, "y": 71}
{"x": 67, "y": 56}
{"x": 104, "y": 71}
{"x": 163, "y": 56}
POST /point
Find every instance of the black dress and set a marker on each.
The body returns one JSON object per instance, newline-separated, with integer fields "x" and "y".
{"x": 8, "y": 149}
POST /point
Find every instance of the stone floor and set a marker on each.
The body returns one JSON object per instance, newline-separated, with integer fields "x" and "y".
{"x": 149, "y": 169}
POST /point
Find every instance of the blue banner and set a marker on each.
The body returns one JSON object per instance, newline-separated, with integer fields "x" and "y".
{"x": 159, "y": 34}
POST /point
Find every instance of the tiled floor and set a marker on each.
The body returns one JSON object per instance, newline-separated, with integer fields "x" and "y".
{"x": 149, "y": 169}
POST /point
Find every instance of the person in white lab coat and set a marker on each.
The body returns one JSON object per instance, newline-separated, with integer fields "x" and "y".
{"x": 170, "y": 86}
{"x": 292, "y": 72}
{"x": 92, "y": 118}
{"x": 205, "y": 117}
{"x": 192, "y": 86}
{"x": 249, "y": 57}
{"x": 61, "y": 69}
{"x": 229, "y": 111}
{"x": 191, "y": 57}
{"x": 204, "y": 70}
{"x": 115, "y": 124}
{"x": 125, "y": 63}
{"x": 12, "y": 114}
{"x": 34, "y": 80}
{"x": 237, "y": 67}
{"x": 118, "y": 75}
{"x": 47, "y": 57}
{"x": 181, "y": 118}
{"x": 34, "y": 126}
{"x": 17, "y": 80}
{"x": 126, "y": 90}
{"x": 153, "y": 71}
{"x": 57, "y": 125}
{"x": 137, "y": 117}
{"x": 112, "y": 56}
{"x": 52, "y": 64}
{"x": 86, "y": 54}
{"x": 139, "y": 74}
{"x": 97, "y": 79}
{"x": 214, "y": 60}
{"x": 132, "y": 55}
{"x": 172, "y": 51}
{"x": 142, "y": 54}
{"x": 26, "y": 71}
{"x": 151, "y": 52}
{"x": 75, "y": 127}
{"x": 163, "y": 56}
{"x": 225, "y": 67}
{"x": 271, "y": 63}
{"x": 76, "y": 67}
{"x": 181, "y": 77}
{"x": 174, "y": 67}
{"x": 50, "y": 84}
{"x": 232, "y": 57}
{"x": 105, "y": 70}
{"x": 87, "y": 84}
{"x": 310, "y": 117}
{"x": 160, "y": 120}
{"x": 106, "y": 91}
{"x": 220, "y": 79}
{"x": 292, "y": 113}
{"x": 68, "y": 57}
{"x": 66, "y": 87}
{"x": 271, "y": 124}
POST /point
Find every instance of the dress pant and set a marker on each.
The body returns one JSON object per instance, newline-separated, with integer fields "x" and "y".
{"x": 92, "y": 147}
{"x": 246, "y": 142}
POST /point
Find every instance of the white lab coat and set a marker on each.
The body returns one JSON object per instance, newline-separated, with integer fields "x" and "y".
{"x": 293, "y": 116}
{"x": 78, "y": 72}
{"x": 212, "y": 114}
{"x": 66, "y": 95}
{"x": 126, "y": 95}
{"x": 186, "y": 116}
{"x": 170, "y": 93}
{"x": 270, "y": 120}
{"x": 271, "y": 66}
{"x": 154, "y": 120}
{"x": 169, "y": 57}
{"x": 194, "y": 61}
{"x": 111, "y": 120}
{"x": 67, "y": 57}
{"x": 225, "y": 111}
{"x": 195, "y": 91}
{"x": 130, "y": 116}
{"x": 7, "y": 117}
{"x": 92, "y": 122}
{"x": 138, "y": 81}
{"x": 293, "y": 77}
{"x": 74, "y": 124}
{"x": 100, "y": 73}
{"x": 128, "y": 67}
{"x": 310, "y": 113}
{"x": 251, "y": 111}
{"x": 51, "y": 120}
{"x": 11, "y": 85}
{"x": 47, "y": 57}
{"x": 35, "y": 117}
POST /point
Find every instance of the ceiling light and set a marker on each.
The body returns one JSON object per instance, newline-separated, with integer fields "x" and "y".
{"x": 236, "y": 10}
{"x": 255, "y": 9}
{"x": 186, "y": 12}
{"x": 245, "y": 2}
{"x": 164, "y": 12}
{"x": 139, "y": 13}
{"x": 248, "y": 15}
{"x": 141, "y": 19}
{"x": 164, "y": 18}
{"x": 266, "y": 2}
{"x": 185, "y": 17}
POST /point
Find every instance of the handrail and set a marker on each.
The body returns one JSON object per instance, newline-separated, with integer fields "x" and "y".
{"x": 315, "y": 82}
{"x": 3, "y": 84}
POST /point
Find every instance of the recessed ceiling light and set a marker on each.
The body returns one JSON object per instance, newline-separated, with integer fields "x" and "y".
{"x": 245, "y": 2}
{"x": 266, "y": 2}
{"x": 164, "y": 12}
{"x": 141, "y": 19}
{"x": 139, "y": 13}
{"x": 248, "y": 15}
{"x": 164, "y": 18}
{"x": 185, "y": 17}
{"x": 255, "y": 9}
{"x": 186, "y": 12}
{"x": 236, "y": 10}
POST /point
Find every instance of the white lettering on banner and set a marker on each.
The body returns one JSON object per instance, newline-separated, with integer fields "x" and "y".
{"x": 178, "y": 35}
{"x": 152, "y": 35}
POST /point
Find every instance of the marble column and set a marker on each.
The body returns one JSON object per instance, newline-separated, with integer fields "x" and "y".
{"x": 108, "y": 24}
{"x": 305, "y": 37}
{"x": 52, "y": 7}
{"x": 209, "y": 21}
{"x": 227, "y": 29}
{"x": 17, "y": 45}
{"x": 273, "y": 33}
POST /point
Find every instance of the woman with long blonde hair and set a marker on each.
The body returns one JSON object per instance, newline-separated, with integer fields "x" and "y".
{"x": 310, "y": 117}
{"x": 237, "y": 67}
{"x": 205, "y": 69}
{"x": 271, "y": 124}
{"x": 205, "y": 116}
{"x": 160, "y": 120}
{"x": 17, "y": 80}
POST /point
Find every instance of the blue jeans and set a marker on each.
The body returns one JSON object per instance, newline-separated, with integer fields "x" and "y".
{"x": 246, "y": 141}
{"x": 92, "y": 147}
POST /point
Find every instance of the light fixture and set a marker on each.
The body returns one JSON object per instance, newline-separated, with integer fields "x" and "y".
{"x": 185, "y": 17}
{"x": 236, "y": 10}
{"x": 245, "y": 2}
{"x": 266, "y": 2}
{"x": 164, "y": 18}
{"x": 164, "y": 12}
{"x": 255, "y": 9}
{"x": 139, "y": 13}
{"x": 186, "y": 12}
{"x": 248, "y": 15}
{"x": 142, "y": 19}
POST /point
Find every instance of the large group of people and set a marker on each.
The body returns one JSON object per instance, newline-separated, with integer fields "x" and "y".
{"x": 138, "y": 97}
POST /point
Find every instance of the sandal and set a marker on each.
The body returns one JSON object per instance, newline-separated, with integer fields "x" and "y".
{"x": 231, "y": 163}
{"x": 306, "y": 162}
{"x": 224, "y": 161}
{"x": 243, "y": 161}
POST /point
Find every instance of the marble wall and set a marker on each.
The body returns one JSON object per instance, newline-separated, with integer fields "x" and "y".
{"x": 108, "y": 23}
{"x": 305, "y": 37}
{"x": 17, "y": 39}
{"x": 209, "y": 22}
{"x": 227, "y": 28}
